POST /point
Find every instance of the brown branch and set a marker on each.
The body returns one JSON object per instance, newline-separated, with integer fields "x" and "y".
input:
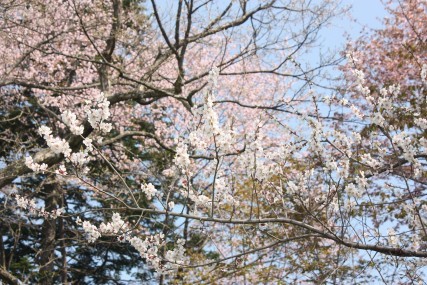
{"x": 18, "y": 168}
{"x": 393, "y": 251}
{"x": 8, "y": 277}
{"x": 253, "y": 250}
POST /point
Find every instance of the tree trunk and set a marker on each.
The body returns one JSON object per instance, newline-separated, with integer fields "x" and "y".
{"x": 47, "y": 255}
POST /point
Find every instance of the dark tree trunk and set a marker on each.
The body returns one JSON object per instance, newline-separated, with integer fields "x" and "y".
{"x": 48, "y": 243}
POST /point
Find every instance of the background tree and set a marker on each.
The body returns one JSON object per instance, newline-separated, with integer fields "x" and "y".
{"x": 386, "y": 68}
{"x": 58, "y": 56}
{"x": 195, "y": 137}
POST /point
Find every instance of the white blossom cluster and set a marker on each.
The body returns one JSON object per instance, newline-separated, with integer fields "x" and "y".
{"x": 393, "y": 239}
{"x": 406, "y": 144}
{"x": 367, "y": 159}
{"x": 61, "y": 170}
{"x": 116, "y": 227}
{"x": 29, "y": 162}
{"x": 88, "y": 143}
{"x": 98, "y": 113}
{"x": 360, "y": 82}
{"x": 177, "y": 255}
{"x": 357, "y": 189}
{"x": 182, "y": 159}
{"x": 26, "y": 204}
{"x": 96, "y": 117}
{"x": 356, "y": 111}
{"x": 149, "y": 190}
{"x": 421, "y": 122}
{"x": 353, "y": 191}
{"x": 378, "y": 119}
{"x": 57, "y": 145}
{"x": 79, "y": 160}
{"x": 30, "y": 205}
{"x": 424, "y": 74}
{"x": 298, "y": 185}
{"x": 70, "y": 119}
{"x": 207, "y": 138}
{"x": 92, "y": 232}
{"x": 383, "y": 105}
{"x": 316, "y": 137}
{"x": 199, "y": 200}
{"x": 209, "y": 131}
{"x": 148, "y": 248}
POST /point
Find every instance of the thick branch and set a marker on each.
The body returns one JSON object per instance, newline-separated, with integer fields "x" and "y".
{"x": 18, "y": 168}
{"x": 8, "y": 277}
{"x": 394, "y": 251}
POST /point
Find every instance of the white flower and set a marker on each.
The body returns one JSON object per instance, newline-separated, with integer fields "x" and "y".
{"x": 88, "y": 143}
{"x": 421, "y": 122}
{"x": 21, "y": 202}
{"x": 116, "y": 226}
{"x": 70, "y": 119}
{"x": 378, "y": 119}
{"x": 356, "y": 111}
{"x": 360, "y": 80}
{"x": 79, "y": 158}
{"x": 177, "y": 255}
{"x": 424, "y": 73}
{"x": 392, "y": 237}
{"x": 56, "y": 213}
{"x": 91, "y": 231}
{"x": 30, "y": 204}
{"x": 403, "y": 140}
{"x": 149, "y": 190}
{"x": 62, "y": 170}
{"x": 213, "y": 77}
{"x": 361, "y": 181}
{"x": 353, "y": 191}
{"x": 96, "y": 116}
{"x": 171, "y": 205}
{"x": 292, "y": 188}
{"x": 182, "y": 159}
{"x": 168, "y": 172}
{"x": 368, "y": 160}
{"x": 29, "y": 162}
{"x": 105, "y": 127}
{"x": 57, "y": 145}
{"x": 45, "y": 131}
{"x": 140, "y": 245}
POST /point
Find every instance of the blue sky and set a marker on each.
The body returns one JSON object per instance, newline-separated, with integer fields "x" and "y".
{"x": 368, "y": 12}
{"x": 365, "y": 14}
